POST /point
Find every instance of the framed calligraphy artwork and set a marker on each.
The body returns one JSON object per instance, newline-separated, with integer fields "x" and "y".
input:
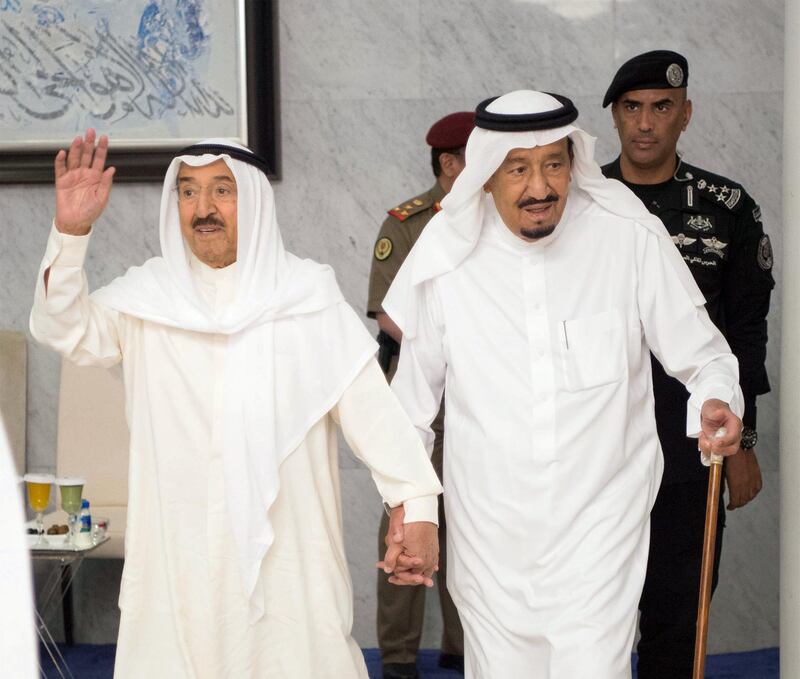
{"x": 154, "y": 75}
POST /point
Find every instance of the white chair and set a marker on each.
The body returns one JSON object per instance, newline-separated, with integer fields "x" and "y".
{"x": 13, "y": 391}
{"x": 93, "y": 443}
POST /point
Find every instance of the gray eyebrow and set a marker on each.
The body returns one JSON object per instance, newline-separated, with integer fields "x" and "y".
{"x": 220, "y": 178}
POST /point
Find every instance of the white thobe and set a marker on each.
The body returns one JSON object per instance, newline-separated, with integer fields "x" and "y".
{"x": 18, "y": 646}
{"x": 552, "y": 461}
{"x": 183, "y": 613}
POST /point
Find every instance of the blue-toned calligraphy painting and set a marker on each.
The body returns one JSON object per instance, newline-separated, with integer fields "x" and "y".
{"x": 140, "y": 70}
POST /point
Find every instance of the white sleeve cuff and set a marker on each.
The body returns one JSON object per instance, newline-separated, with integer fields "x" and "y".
{"x": 425, "y": 508}
{"x": 719, "y": 389}
{"x": 66, "y": 250}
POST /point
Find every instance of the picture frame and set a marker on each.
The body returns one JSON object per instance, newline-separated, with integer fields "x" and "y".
{"x": 155, "y": 99}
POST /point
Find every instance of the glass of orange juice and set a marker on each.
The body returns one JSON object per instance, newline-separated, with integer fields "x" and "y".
{"x": 38, "y": 498}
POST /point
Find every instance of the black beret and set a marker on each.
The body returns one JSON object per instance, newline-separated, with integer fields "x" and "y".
{"x": 657, "y": 70}
{"x": 452, "y": 131}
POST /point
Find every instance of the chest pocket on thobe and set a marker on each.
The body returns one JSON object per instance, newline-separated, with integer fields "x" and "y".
{"x": 593, "y": 350}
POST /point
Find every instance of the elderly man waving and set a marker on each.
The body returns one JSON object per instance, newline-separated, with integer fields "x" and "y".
{"x": 535, "y": 296}
{"x": 239, "y": 360}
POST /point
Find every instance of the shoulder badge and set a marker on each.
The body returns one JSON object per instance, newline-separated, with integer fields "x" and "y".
{"x": 765, "y": 253}
{"x": 410, "y": 207}
{"x": 383, "y": 248}
{"x": 724, "y": 194}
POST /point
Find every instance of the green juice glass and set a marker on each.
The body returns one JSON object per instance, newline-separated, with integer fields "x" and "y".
{"x": 71, "y": 496}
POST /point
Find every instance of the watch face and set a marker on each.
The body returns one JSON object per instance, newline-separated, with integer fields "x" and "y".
{"x": 749, "y": 438}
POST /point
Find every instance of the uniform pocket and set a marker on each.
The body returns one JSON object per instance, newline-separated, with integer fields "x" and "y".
{"x": 593, "y": 350}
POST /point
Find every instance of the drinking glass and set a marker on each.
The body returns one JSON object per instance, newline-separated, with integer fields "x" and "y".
{"x": 71, "y": 495}
{"x": 100, "y": 526}
{"x": 38, "y": 486}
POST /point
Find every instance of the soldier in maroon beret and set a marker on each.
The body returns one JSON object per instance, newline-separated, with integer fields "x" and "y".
{"x": 401, "y": 609}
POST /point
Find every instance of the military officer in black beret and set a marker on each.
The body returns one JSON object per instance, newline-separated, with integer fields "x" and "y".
{"x": 717, "y": 228}
{"x": 401, "y": 609}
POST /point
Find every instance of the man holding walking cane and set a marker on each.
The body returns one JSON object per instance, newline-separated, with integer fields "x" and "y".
{"x": 533, "y": 300}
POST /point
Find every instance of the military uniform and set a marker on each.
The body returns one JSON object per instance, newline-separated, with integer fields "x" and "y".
{"x": 717, "y": 228}
{"x": 401, "y": 609}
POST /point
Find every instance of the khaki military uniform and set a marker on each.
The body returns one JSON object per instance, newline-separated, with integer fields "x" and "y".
{"x": 401, "y": 609}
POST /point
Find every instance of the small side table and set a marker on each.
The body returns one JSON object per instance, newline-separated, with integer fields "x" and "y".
{"x": 66, "y": 561}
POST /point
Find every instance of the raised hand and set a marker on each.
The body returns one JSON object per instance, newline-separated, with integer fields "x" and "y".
{"x": 83, "y": 184}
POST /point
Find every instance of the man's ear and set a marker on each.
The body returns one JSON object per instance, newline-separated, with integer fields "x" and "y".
{"x": 687, "y": 114}
{"x": 447, "y": 161}
{"x": 614, "y": 114}
{"x": 489, "y": 185}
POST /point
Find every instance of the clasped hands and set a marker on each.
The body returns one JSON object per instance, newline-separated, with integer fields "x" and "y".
{"x": 412, "y": 551}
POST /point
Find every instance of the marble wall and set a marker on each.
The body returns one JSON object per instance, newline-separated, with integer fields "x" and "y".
{"x": 360, "y": 83}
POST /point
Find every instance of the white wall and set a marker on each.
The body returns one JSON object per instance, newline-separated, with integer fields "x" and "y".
{"x": 790, "y": 368}
{"x": 361, "y": 82}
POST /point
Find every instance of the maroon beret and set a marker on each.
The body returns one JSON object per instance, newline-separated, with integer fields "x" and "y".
{"x": 452, "y": 131}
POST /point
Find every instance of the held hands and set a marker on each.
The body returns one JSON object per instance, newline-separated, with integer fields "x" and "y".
{"x": 412, "y": 551}
{"x": 716, "y": 415}
{"x": 83, "y": 184}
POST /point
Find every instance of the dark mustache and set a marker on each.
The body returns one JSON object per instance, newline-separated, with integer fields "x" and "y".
{"x": 207, "y": 221}
{"x": 527, "y": 202}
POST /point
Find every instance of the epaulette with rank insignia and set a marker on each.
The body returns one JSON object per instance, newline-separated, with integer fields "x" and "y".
{"x": 715, "y": 188}
{"x": 411, "y": 207}
{"x": 729, "y": 196}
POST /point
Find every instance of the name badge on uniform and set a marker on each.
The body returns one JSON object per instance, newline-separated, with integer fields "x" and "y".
{"x": 689, "y": 197}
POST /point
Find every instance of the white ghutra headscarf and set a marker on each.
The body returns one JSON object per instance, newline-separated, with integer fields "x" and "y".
{"x": 520, "y": 119}
{"x": 280, "y": 301}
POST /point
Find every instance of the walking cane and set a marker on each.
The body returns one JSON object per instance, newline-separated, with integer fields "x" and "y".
{"x": 707, "y": 569}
